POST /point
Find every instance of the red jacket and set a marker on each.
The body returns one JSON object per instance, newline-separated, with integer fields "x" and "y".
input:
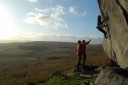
{"x": 83, "y": 46}
{"x": 79, "y": 48}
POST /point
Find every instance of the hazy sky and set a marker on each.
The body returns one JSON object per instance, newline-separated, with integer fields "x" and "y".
{"x": 49, "y": 20}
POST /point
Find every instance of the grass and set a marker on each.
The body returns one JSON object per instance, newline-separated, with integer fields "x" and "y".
{"x": 38, "y": 72}
{"x": 75, "y": 79}
{"x": 72, "y": 79}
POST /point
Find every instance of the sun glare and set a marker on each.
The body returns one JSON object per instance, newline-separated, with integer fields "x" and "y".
{"x": 6, "y": 24}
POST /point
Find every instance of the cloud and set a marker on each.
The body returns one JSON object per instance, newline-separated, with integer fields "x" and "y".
{"x": 50, "y": 18}
{"x": 34, "y": 36}
{"x": 33, "y": 1}
{"x": 73, "y": 10}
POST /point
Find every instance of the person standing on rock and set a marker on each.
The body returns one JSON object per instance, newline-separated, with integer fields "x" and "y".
{"x": 84, "y": 44}
{"x": 81, "y": 52}
{"x": 100, "y": 24}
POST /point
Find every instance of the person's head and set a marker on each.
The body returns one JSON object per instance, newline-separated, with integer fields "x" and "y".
{"x": 83, "y": 41}
{"x": 79, "y": 42}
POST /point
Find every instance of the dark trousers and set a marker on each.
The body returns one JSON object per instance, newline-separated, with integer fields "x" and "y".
{"x": 103, "y": 31}
{"x": 100, "y": 29}
{"x": 81, "y": 57}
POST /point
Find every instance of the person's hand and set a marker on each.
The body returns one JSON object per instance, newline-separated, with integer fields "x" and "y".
{"x": 89, "y": 40}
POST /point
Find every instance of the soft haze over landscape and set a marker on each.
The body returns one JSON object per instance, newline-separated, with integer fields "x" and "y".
{"x": 49, "y": 20}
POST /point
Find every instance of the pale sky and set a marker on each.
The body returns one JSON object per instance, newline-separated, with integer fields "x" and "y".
{"x": 49, "y": 20}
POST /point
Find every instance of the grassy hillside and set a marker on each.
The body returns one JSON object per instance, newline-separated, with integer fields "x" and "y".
{"x": 32, "y": 62}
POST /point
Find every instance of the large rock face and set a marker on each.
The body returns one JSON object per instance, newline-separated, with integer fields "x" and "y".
{"x": 116, "y": 45}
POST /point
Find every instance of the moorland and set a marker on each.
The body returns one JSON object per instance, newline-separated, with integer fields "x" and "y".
{"x": 29, "y": 63}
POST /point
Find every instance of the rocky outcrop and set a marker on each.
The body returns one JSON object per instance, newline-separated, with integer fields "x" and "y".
{"x": 116, "y": 45}
{"x": 87, "y": 71}
{"x": 108, "y": 76}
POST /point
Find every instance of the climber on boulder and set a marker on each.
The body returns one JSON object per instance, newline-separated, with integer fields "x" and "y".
{"x": 100, "y": 24}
